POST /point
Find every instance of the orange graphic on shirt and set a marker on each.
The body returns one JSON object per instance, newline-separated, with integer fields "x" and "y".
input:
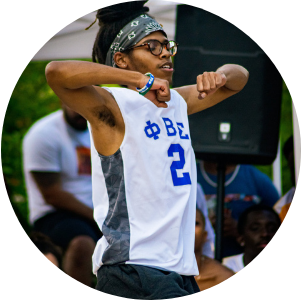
{"x": 84, "y": 162}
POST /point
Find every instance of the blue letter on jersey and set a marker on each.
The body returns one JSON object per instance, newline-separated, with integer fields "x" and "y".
{"x": 185, "y": 136}
{"x": 177, "y": 165}
{"x": 169, "y": 127}
{"x": 149, "y": 130}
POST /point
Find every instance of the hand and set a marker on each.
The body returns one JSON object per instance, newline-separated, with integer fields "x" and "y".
{"x": 230, "y": 225}
{"x": 209, "y": 82}
{"x": 159, "y": 92}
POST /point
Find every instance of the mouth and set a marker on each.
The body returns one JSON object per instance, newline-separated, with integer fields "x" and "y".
{"x": 168, "y": 66}
{"x": 263, "y": 244}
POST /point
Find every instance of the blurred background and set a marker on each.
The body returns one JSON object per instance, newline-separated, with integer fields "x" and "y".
{"x": 32, "y": 99}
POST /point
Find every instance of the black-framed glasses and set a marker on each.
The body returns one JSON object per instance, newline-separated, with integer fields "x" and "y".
{"x": 156, "y": 47}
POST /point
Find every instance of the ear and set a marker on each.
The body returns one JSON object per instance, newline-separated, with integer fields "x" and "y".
{"x": 121, "y": 60}
{"x": 240, "y": 240}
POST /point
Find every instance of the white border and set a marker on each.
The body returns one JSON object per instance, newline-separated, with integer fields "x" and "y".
{"x": 274, "y": 25}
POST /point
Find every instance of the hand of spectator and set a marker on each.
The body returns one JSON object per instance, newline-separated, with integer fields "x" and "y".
{"x": 230, "y": 225}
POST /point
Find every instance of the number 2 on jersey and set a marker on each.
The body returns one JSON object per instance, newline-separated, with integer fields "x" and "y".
{"x": 178, "y": 165}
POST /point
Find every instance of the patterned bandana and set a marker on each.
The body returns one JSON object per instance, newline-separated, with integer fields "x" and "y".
{"x": 131, "y": 34}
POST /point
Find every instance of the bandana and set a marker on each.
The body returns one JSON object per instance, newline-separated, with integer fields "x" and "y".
{"x": 130, "y": 35}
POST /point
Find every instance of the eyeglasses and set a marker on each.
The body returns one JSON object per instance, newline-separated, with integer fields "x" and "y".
{"x": 156, "y": 47}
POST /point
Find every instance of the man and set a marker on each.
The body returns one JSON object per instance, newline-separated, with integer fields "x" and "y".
{"x": 57, "y": 168}
{"x": 245, "y": 186}
{"x": 257, "y": 225}
{"x": 143, "y": 165}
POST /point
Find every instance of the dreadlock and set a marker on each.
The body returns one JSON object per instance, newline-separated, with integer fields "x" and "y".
{"x": 111, "y": 20}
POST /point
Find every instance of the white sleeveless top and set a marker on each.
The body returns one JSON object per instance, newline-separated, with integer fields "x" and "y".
{"x": 145, "y": 194}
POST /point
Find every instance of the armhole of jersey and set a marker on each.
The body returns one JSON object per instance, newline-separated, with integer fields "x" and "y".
{"x": 112, "y": 91}
{"x": 179, "y": 95}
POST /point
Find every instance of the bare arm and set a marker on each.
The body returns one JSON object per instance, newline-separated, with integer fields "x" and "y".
{"x": 74, "y": 82}
{"x": 213, "y": 87}
{"x": 50, "y": 187}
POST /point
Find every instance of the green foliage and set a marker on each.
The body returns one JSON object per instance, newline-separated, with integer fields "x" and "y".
{"x": 286, "y": 130}
{"x": 31, "y": 99}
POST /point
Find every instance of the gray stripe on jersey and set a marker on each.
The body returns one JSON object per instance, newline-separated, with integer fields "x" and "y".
{"x": 116, "y": 225}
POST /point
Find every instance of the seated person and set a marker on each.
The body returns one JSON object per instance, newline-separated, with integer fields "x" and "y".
{"x": 211, "y": 272}
{"x": 52, "y": 252}
{"x": 245, "y": 186}
{"x": 257, "y": 225}
{"x": 209, "y": 244}
{"x": 282, "y": 206}
{"x": 57, "y": 170}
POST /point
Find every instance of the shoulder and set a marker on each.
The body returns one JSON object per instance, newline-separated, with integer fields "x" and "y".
{"x": 176, "y": 95}
{"x": 216, "y": 265}
{"x": 45, "y": 129}
{"x": 220, "y": 271}
{"x": 255, "y": 173}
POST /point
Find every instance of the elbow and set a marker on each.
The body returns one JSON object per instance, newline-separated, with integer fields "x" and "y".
{"x": 245, "y": 75}
{"x": 51, "y": 195}
{"x": 50, "y": 199}
{"x": 243, "y": 78}
{"x": 53, "y": 72}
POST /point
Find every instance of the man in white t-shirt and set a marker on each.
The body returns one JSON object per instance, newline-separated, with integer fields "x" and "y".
{"x": 57, "y": 169}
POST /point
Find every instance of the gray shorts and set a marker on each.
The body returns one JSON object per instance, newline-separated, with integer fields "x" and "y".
{"x": 140, "y": 282}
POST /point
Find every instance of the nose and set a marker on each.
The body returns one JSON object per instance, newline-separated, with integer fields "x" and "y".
{"x": 265, "y": 232}
{"x": 165, "y": 53}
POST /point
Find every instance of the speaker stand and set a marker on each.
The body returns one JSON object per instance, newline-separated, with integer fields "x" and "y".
{"x": 220, "y": 210}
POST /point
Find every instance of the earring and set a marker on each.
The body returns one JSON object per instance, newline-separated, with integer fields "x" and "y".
{"x": 242, "y": 244}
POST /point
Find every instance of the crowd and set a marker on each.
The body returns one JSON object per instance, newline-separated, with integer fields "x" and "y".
{"x": 56, "y": 147}
{"x": 69, "y": 223}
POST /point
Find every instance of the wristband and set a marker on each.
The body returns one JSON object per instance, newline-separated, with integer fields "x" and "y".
{"x": 148, "y": 85}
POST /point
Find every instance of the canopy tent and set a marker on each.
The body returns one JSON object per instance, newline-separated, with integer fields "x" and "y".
{"x": 74, "y": 41}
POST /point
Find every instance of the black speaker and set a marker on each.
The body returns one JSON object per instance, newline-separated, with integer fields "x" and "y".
{"x": 244, "y": 128}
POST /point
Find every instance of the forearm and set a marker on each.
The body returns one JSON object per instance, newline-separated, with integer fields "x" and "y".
{"x": 78, "y": 74}
{"x": 66, "y": 201}
{"x": 236, "y": 75}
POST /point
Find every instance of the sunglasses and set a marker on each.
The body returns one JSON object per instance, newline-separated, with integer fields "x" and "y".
{"x": 156, "y": 47}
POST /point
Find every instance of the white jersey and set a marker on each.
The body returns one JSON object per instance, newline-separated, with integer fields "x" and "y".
{"x": 51, "y": 145}
{"x": 144, "y": 195}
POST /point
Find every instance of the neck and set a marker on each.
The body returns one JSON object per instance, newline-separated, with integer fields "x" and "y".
{"x": 248, "y": 257}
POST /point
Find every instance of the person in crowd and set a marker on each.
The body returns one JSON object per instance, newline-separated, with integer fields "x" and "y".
{"x": 283, "y": 204}
{"x": 257, "y": 225}
{"x": 209, "y": 244}
{"x": 51, "y": 251}
{"x": 143, "y": 164}
{"x": 57, "y": 169}
{"x": 211, "y": 272}
{"x": 245, "y": 186}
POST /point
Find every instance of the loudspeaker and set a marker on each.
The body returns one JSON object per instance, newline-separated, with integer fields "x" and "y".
{"x": 243, "y": 129}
